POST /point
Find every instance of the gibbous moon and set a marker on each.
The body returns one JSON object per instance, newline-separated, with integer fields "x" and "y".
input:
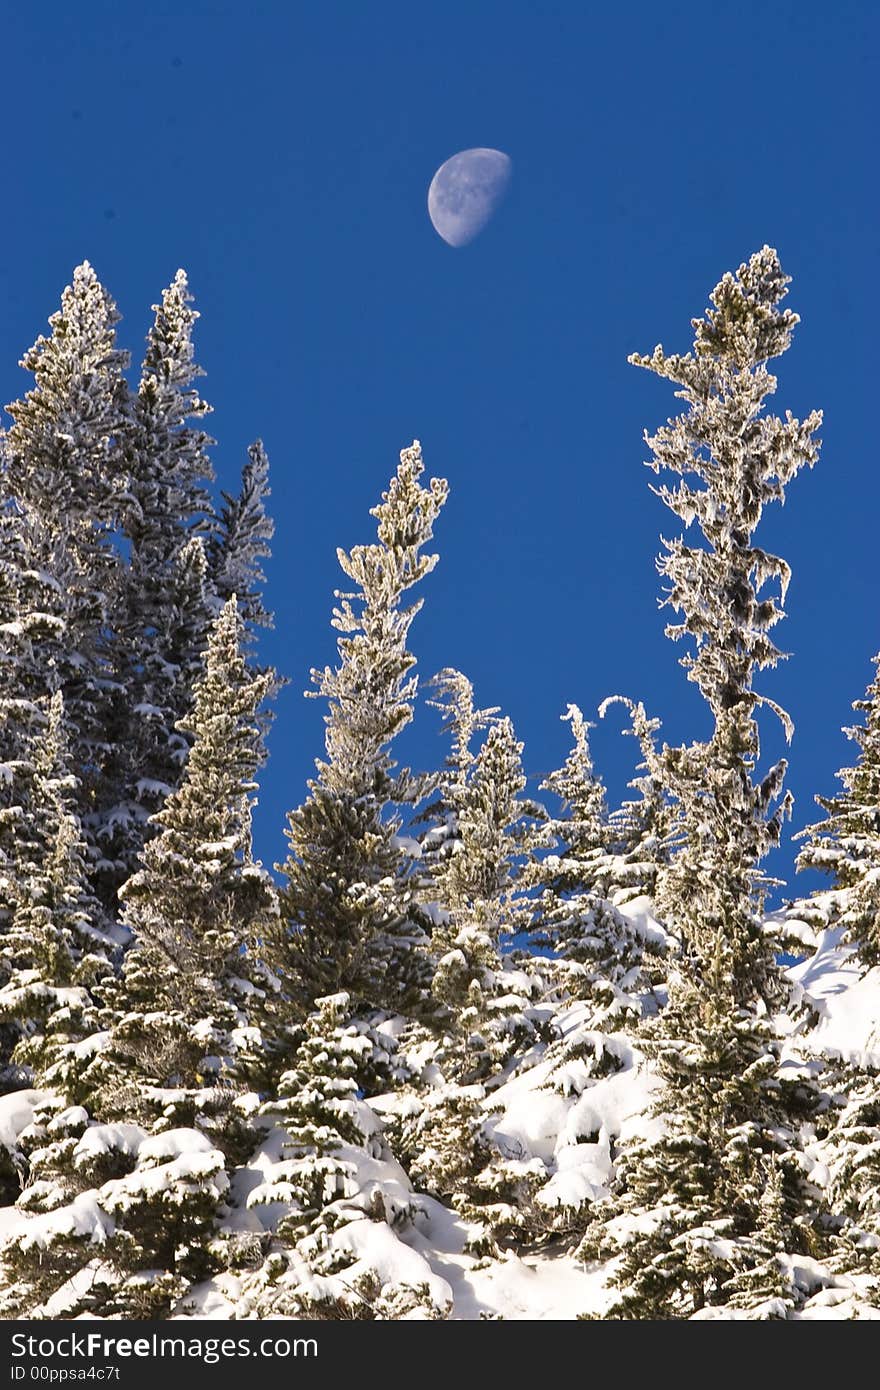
{"x": 465, "y": 192}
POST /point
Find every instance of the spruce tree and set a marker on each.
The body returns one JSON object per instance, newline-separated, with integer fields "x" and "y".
{"x": 643, "y": 827}
{"x": 52, "y": 948}
{"x": 476, "y": 886}
{"x": 729, "y": 1116}
{"x": 484, "y": 830}
{"x": 462, "y": 721}
{"x": 119, "y": 1223}
{"x": 318, "y": 1105}
{"x": 168, "y": 461}
{"x": 846, "y": 844}
{"x": 240, "y": 541}
{"x": 336, "y": 1175}
{"x": 64, "y": 446}
{"x": 66, "y": 476}
{"x": 575, "y": 912}
{"x": 581, "y": 832}
{"x": 852, "y": 1153}
{"x": 349, "y": 915}
{"x": 163, "y": 602}
{"x": 151, "y": 748}
{"x": 199, "y": 905}
{"x": 36, "y": 576}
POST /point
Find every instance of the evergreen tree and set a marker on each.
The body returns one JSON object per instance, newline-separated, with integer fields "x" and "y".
{"x": 65, "y": 463}
{"x": 168, "y": 461}
{"x": 581, "y": 834}
{"x": 120, "y": 1224}
{"x": 642, "y": 828}
{"x": 199, "y": 905}
{"x": 240, "y": 540}
{"x": 462, "y": 721}
{"x": 729, "y": 1116}
{"x": 764, "y": 1286}
{"x": 64, "y": 444}
{"x": 327, "y": 1182}
{"x": 578, "y": 884}
{"x": 456, "y": 1159}
{"x": 150, "y": 758}
{"x": 476, "y": 885}
{"x": 852, "y": 1153}
{"x": 485, "y": 1018}
{"x": 349, "y": 916}
{"x": 318, "y": 1105}
{"x": 846, "y": 844}
{"x": 163, "y": 604}
{"x": 476, "y": 882}
{"x": 52, "y": 949}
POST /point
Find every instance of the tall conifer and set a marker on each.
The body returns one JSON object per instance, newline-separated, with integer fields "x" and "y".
{"x": 729, "y": 1115}
{"x": 349, "y": 908}
{"x": 199, "y": 905}
{"x": 162, "y": 602}
{"x": 66, "y": 479}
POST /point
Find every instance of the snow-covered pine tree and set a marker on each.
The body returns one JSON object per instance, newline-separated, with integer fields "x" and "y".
{"x": 240, "y": 541}
{"x": 462, "y": 721}
{"x": 476, "y": 886}
{"x": 149, "y": 752}
{"x": 318, "y": 1105}
{"x": 581, "y": 833}
{"x": 64, "y": 443}
{"x": 199, "y": 906}
{"x": 348, "y": 909}
{"x": 339, "y": 1189}
{"x": 40, "y": 597}
{"x": 846, "y": 844}
{"x": 852, "y": 1154}
{"x": 118, "y": 1223}
{"x": 162, "y": 603}
{"x": 52, "y": 948}
{"x": 484, "y": 830}
{"x": 578, "y": 882}
{"x": 65, "y": 469}
{"x": 643, "y": 828}
{"x": 729, "y": 1116}
{"x": 167, "y": 452}
{"x": 30, "y": 626}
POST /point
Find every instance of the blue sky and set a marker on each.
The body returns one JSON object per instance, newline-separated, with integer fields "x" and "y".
{"x": 283, "y": 158}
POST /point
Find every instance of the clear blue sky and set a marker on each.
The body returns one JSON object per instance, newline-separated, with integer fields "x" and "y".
{"x": 283, "y": 158}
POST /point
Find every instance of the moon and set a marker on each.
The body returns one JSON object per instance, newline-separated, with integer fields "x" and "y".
{"x": 466, "y": 191}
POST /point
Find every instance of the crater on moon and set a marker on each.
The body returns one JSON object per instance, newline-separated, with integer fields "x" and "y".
{"x": 465, "y": 192}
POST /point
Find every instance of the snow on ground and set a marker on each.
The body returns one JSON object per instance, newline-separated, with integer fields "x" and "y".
{"x": 540, "y": 1287}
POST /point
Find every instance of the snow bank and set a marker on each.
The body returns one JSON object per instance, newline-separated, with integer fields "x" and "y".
{"x": 377, "y": 1250}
